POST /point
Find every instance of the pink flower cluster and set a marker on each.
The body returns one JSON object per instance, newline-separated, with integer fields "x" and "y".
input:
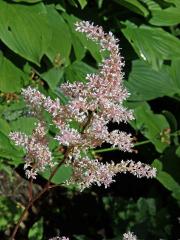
{"x": 38, "y": 155}
{"x": 92, "y": 105}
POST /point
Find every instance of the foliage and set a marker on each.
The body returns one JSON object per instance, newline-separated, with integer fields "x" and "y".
{"x": 39, "y": 47}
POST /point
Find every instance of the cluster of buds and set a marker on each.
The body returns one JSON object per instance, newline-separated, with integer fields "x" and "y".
{"x": 91, "y": 105}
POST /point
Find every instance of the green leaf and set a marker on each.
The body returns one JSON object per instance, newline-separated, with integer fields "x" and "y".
{"x": 62, "y": 175}
{"x": 157, "y": 164}
{"x": 151, "y": 125}
{"x": 83, "y": 3}
{"x": 78, "y": 71}
{"x": 170, "y": 162}
{"x": 152, "y": 44}
{"x": 135, "y": 6}
{"x": 175, "y": 73}
{"x": 11, "y": 77}
{"x": 168, "y": 181}
{"x": 27, "y": 1}
{"x": 36, "y": 231}
{"x": 178, "y": 151}
{"x": 24, "y": 124}
{"x": 4, "y": 126}
{"x": 78, "y": 47}
{"x": 60, "y": 7}
{"x": 53, "y": 77}
{"x": 8, "y": 151}
{"x": 25, "y": 30}
{"x": 151, "y": 4}
{"x": 144, "y": 83}
{"x": 165, "y": 17}
{"x": 61, "y": 38}
{"x": 13, "y": 111}
{"x": 175, "y": 2}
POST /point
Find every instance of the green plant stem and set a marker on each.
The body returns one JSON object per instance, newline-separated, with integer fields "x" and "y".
{"x": 177, "y": 133}
{"x": 116, "y": 148}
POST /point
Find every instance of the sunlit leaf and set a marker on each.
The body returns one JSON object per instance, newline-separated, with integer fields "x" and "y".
{"x": 11, "y": 77}
{"x": 53, "y": 77}
{"x": 166, "y": 17}
{"x": 145, "y": 83}
{"x": 25, "y": 29}
{"x": 152, "y": 44}
{"x": 61, "y": 40}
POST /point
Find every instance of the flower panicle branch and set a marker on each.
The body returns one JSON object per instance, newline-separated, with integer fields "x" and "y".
{"x": 38, "y": 155}
{"x": 92, "y": 105}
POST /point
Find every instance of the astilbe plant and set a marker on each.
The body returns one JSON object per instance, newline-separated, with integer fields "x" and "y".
{"x": 92, "y": 105}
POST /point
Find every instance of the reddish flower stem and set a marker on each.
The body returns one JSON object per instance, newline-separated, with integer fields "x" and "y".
{"x": 47, "y": 186}
{"x": 32, "y": 200}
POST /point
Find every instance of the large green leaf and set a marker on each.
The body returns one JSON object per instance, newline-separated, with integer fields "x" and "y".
{"x": 152, "y": 44}
{"x": 135, "y": 6}
{"x": 25, "y": 30}
{"x": 151, "y": 125}
{"x": 166, "y": 17}
{"x": 144, "y": 83}
{"x": 61, "y": 38}
{"x": 11, "y": 77}
{"x": 167, "y": 180}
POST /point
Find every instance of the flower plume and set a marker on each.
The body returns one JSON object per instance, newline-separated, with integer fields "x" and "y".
{"x": 92, "y": 105}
